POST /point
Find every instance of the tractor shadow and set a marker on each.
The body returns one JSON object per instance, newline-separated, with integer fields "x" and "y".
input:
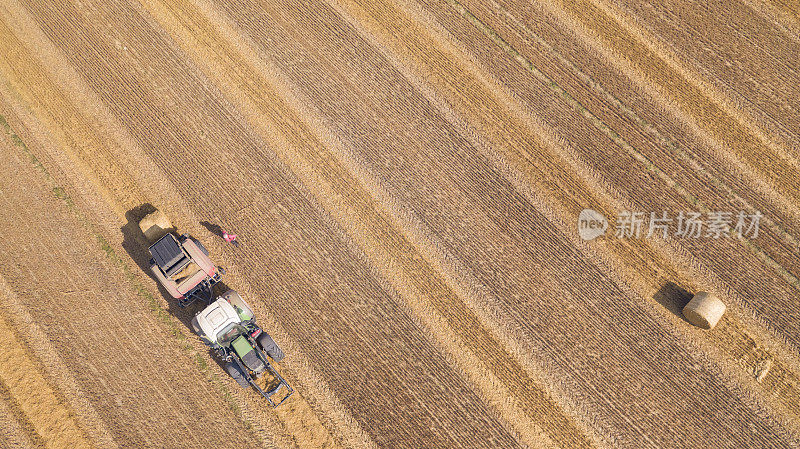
{"x": 673, "y": 297}
{"x": 136, "y": 245}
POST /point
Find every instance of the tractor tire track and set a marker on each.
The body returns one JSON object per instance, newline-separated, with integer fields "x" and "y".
{"x": 697, "y": 100}
{"x": 779, "y": 13}
{"x": 17, "y": 431}
{"x": 39, "y": 417}
{"x": 739, "y": 52}
{"x": 576, "y": 68}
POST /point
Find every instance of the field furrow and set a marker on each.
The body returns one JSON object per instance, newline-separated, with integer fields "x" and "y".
{"x": 738, "y": 51}
{"x": 628, "y": 109}
{"x": 704, "y": 106}
{"x": 677, "y": 196}
{"x": 32, "y": 411}
{"x": 17, "y": 432}
{"x": 791, "y": 9}
{"x": 785, "y": 15}
{"x": 477, "y": 219}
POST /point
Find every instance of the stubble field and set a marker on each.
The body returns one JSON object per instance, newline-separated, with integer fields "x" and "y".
{"x": 406, "y": 179}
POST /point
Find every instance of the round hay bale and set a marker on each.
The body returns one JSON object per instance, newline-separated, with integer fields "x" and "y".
{"x": 704, "y": 310}
{"x": 155, "y": 225}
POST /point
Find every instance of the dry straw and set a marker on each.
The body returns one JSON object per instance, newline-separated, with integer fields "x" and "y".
{"x": 155, "y": 225}
{"x": 704, "y": 310}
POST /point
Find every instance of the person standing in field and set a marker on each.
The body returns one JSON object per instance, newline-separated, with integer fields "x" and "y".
{"x": 230, "y": 238}
{"x": 217, "y": 230}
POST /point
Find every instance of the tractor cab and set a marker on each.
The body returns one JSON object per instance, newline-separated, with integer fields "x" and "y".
{"x": 218, "y": 323}
{"x": 225, "y": 319}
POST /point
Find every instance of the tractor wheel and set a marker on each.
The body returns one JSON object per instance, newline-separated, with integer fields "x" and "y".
{"x": 237, "y": 374}
{"x": 270, "y": 347}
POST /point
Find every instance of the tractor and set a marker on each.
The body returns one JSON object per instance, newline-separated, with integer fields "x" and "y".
{"x": 183, "y": 267}
{"x": 181, "y": 264}
{"x": 228, "y": 326}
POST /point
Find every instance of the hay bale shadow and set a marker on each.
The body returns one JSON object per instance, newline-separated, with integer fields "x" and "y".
{"x": 674, "y": 298}
{"x": 133, "y": 241}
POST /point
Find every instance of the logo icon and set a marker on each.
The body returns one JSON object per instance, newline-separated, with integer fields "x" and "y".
{"x": 591, "y": 224}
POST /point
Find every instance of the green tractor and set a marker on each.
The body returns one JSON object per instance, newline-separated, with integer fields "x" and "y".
{"x": 228, "y": 326}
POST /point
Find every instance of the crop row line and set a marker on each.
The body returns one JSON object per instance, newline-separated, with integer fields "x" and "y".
{"x": 668, "y": 142}
{"x": 608, "y": 131}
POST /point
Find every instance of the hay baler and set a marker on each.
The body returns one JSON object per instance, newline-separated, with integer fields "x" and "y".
{"x": 181, "y": 264}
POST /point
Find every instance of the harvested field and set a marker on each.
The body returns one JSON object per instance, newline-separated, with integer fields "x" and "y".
{"x": 405, "y": 179}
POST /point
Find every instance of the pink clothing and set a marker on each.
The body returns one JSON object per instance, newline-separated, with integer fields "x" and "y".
{"x": 228, "y": 237}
